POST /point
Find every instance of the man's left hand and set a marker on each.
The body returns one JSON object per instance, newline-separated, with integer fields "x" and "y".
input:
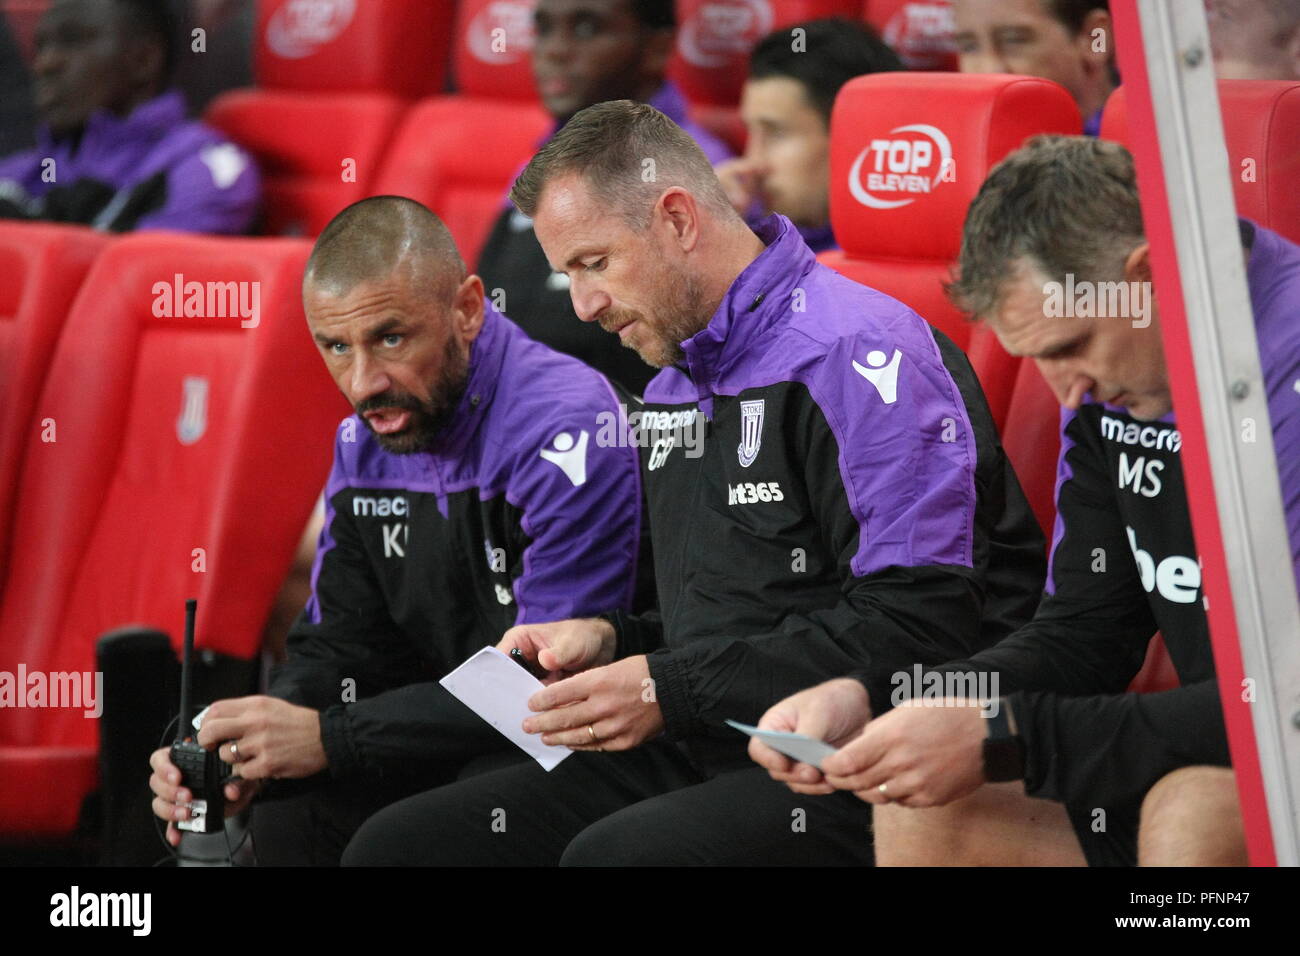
{"x": 265, "y": 737}
{"x": 606, "y": 708}
{"x": 925, "y": 755}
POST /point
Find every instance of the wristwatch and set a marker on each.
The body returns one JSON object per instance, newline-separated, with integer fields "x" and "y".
{"x": 1004, "y": 748}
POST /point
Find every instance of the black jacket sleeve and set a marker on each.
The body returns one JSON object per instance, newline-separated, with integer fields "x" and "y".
{"x": 1088, "y": 742}
{"x": 348, "y": 660}
{"x": 1109, "y": 750}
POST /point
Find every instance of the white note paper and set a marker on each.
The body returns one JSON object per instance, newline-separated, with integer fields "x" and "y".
{"x": 805, "y": 749}
{"x": 497, "y": 689}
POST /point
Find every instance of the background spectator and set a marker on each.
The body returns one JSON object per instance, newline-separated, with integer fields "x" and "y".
{"x": 1068, "y": 41}
{"x": 786, "y": 105}
{"x": 1255, "y": 39}
{"x": 115, "y": 150}
{"x": 586, "y": 51}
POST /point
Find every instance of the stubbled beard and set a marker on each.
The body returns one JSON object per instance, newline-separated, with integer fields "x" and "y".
{"x": 677, "y": 317}
{"x": 427, "y": 418}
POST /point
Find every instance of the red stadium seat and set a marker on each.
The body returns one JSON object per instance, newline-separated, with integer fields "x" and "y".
{"x": 23, "y": 15}
{"x": 1032, "y": 439}
{"x": 189, "y": 453}
{"x": 1261, "y": 126}
{"x": 438, "y": 156}
{"x": 397, "y": 47}
{"x": 715, "y": 37}
{"x": 41, "y": 268}
{"x": 493, "y": 52}
{"x": 909, "y": 151}
{"x": 920, "y": 31}
{"x": 333, "y": 78}
{"x": 317, "y": 153}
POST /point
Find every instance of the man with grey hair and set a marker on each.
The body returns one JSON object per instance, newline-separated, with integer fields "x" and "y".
{"x": 1255, "y": 39}
{"x": 1144, "y": 778}
{"x": 849, "y": 504}
{"x": 468, "y": 495}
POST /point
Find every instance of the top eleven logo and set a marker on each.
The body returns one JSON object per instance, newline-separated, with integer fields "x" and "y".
{"x": 723, "y": 29}
{"x": 914, "y": 160}
{"x": 300, "y": 28}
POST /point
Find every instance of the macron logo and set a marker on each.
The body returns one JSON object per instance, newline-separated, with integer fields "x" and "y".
{"x": 225, "y": 162}
{"x": 884, "y": 377}
{"x": 569, "y": 456}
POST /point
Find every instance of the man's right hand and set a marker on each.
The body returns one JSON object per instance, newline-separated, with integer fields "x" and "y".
{"x": 563, "y": 648}
{"x": 171, "y": 800}
{"x": 836, "y": 712}
{"x": 741, "y": 180}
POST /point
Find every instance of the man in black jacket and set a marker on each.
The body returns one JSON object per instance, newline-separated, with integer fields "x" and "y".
{"x": 469, "y": 493}
{"x": 1141, "y": 778}
{"x": 849, "y": 502}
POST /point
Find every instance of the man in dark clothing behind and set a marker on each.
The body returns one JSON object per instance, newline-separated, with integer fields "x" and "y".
{"x": 116, "y": 151}
{"x": 849, "y": 502}
{"x": 586, "y": 51}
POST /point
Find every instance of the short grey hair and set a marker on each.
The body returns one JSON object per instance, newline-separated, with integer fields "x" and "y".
{"x": 628, "y": 154}
{"x": 1067, "y": 204}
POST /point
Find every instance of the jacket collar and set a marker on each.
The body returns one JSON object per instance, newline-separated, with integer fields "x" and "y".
{"x": 148, "y": 121}
{"x": 760, "y": 299}
{"x": 668, "y": 100}
{"x": 486, "y": 355}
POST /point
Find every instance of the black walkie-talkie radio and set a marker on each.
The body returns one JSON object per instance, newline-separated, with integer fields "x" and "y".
{"x": 203, "y": 772}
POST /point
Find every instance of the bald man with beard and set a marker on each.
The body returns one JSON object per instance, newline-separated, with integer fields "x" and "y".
{"x": 468, "y": 494}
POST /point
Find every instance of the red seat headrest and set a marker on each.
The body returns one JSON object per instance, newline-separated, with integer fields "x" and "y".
{"x": 494, "y": 44}
{"x": 909, "y": 152}
{"x": 354, "y": 46}
{"x": 1261, "y": 126}
{"x": 920, "y": 31}
{"x": 714, "y": 39}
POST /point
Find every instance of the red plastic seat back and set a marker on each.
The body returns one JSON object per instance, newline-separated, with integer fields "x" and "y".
{"x": 1261, "y": 126}
{"x": 41, "y": 268}
{"x": 1032, "y": 439}
{"x": 398, "y": 47}
{"x": 920, "y": 31}
{"x": 317, "y": 153}
{"x": 493, "y": 49}
{"x": 715, "y": 37}
{"x": 437, "y": 158}
{"x": 190, "y": 450}
{"x": 909, "y": 152}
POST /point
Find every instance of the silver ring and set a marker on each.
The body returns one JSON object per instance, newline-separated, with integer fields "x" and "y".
{"x": 884, "y": 790}
{"x": 234, "y": 751}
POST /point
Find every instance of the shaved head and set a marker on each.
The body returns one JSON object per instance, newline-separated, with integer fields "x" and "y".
{"x": 375, "y": 237}
{"x": 394, "y": 316}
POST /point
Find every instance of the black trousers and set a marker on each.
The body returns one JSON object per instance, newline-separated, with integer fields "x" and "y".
{"x": 312, "y": 827}
{"x": 644, "y": 807}
{"x": 1108, "y": 835}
